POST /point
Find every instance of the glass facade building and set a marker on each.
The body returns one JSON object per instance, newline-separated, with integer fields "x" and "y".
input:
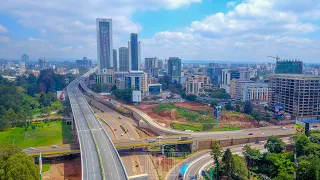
{"x": 134, "y": 49}
{"x": 104, "y": 43}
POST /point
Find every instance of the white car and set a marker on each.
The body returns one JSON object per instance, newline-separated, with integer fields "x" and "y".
{"x": 132, "y": 139}
{"x": 283, "y": 128}
{"x": 262, "y": 133}
{"x": 54, "y": 146}
{"x": 159, "y": 137}
{"x": 121, "y": 134}
{"x": 31, "y": 148}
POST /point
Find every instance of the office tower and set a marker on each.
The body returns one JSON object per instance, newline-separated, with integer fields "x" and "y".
{"x": 134, "y": 52}
{"x": 160, "y": 63}
{"x": 25, "y": 58}
{"x": 215, "y": 74}
{"x": 298, "y": 93}
{"x": 289, "y": 67}
{"x": 174, "y": 69}
{"x": 123, "y": 59}
{"x": 104, "y": 44}
{"x": 151, "y": 67}
{"x": 42, "y": 63}
{"x": 115, "y": 61}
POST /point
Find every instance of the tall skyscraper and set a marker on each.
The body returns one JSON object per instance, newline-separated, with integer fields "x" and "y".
{"x": 104, "y": 44}
{"x": 174, "y": 69}
{"x": 115, "y": 60}
{"x": 123, "y": 59}
{"x": 42, "y": 63}
{"x": 25, "y": 58}
{"x": 134, "y": 52}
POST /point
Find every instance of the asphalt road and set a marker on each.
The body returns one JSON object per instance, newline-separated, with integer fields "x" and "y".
{"x": 98, "y": 144}
{"x": 89, "y": 155}
{"x": 111, "y": 118}
{"x": 196, "y": 165}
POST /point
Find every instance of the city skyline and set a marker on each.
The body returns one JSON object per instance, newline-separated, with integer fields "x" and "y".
{"x": 198, "y": 30}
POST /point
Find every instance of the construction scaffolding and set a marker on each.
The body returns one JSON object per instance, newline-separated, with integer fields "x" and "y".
{"x": 289, "y": 67}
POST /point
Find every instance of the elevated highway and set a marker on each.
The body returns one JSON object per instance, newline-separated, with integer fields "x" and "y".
{"x": 100, "y": 159}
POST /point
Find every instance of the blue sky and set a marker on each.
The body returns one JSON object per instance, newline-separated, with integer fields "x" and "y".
{"x": 215, "y": 30}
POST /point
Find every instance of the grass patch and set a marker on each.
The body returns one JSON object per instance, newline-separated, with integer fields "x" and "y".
{"x": 225, "y": 128}
{"x": 45, "y": 134}
{"x": 183, "y": 127}
{"x": 57, "y": 105}
{"x": 236, "y": 114}
{"x": 45, "y": 167}
{"x": 248, "y": 116}
{"x": 193, "y": 116}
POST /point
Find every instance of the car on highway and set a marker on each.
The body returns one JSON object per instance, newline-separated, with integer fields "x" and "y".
{"x": 31, "y": 148}
{"x": 132, "y": 139}
{"x": 119, "y": 117}
{"x": 54, "y": 146}
{"x": 121, "y": 134}
{"x": 115, "y": 129}
{"x": 250, "y": 134}
{"x": 262, "y": 133}
{"x": 151, "y": 140}
{"x": 259, "y": 142}
{"x": 159, "y": 137}
{"x": 283, "y": 128}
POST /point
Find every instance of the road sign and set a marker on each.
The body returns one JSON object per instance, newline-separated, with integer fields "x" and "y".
{"x": 61, "y": 95}
{"x": 136, "y": 96}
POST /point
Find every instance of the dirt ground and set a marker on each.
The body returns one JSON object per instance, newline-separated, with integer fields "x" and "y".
{"x": 164, "y": 164}
{"x": 226, "y": 119}
{"x": 64, "y": 169}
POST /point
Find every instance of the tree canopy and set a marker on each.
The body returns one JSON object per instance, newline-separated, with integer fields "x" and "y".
{"x": 275, "y": 145}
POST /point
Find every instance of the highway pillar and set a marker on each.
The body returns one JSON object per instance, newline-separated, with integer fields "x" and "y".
{"x": 194, "y": 146}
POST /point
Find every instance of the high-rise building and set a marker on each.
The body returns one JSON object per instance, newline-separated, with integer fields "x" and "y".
{"x": 123, "y": 59}
{"x": 134, "y": 52}
{"x": 160, "y": 63}
{"x": 289, "y": 67}
{"x": 25, "y": 58}
{"x": 174, "y": 69}
{"x": 215, "y": 75}
{"x": 299, "y": 94}
{"x": 104, "y": 44}
{"x": 42, "y": 63}
{"x": 115, "y": 60}
{"x": 151, "y": 67}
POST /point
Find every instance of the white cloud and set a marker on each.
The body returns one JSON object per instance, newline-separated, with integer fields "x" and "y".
{"x": 231, "y": 4}
{"x": 4, "y": 39}
{"x": 249, "y": 30}
{"x": 3, "y": 29}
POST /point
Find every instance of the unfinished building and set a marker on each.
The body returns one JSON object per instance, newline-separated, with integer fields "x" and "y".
{"x": 298, "y": 93}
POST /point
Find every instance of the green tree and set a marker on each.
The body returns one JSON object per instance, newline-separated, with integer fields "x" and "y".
{"x": 256, "y": 115}
{"x": 214, "y": 103}
{"x": 247, "y": 108}
{"x": 227, "y": 163}
{"x": 251, "y": 155}
{"x": 124, "y": 95}
{"x": 238, "y": 108}
{"x": 275, "y": 145}
{"x": 315, "y": 138}
{"x": 239, "y": 169}
{"x": 114, "y": 87}
{"x": 8, "y": 150}
{"x": 228, "y": 106}
{"x": 301, "y": 141}
{"x": 21, "y": 166}
{"x": 308, "y": 169}
{"x": 191, "y": 97}
{"x": 216, "y": 153}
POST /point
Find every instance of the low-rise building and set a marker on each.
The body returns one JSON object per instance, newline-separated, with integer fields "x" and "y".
{"x": 256, "y": 92}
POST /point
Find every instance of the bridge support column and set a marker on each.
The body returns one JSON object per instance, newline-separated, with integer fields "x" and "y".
{"x": 194, "y": 146}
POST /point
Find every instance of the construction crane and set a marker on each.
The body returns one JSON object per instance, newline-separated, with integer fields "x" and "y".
{"x": 277, "y": 58}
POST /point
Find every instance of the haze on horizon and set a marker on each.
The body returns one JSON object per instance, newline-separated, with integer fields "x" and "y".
{"x": 240, "y": 30}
